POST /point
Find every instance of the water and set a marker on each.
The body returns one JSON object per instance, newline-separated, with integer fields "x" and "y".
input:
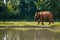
{"x": 32, "y": 34}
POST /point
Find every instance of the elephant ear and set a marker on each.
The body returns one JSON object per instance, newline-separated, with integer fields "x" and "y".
{"x": 36, "y": 14}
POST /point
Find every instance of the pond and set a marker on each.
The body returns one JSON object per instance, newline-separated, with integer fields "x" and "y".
{"x": 31, "y": 34}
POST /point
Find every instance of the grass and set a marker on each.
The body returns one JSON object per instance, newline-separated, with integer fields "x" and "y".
{"x": 24, "y": 23}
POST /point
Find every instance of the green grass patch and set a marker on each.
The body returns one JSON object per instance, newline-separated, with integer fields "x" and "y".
{"x": 56, "y": 24}
{"x": 24, "y": 23}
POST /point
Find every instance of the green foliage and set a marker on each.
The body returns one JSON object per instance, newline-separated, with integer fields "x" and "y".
{"x": 12, "y": 6}
{"x": 25, "y": 9}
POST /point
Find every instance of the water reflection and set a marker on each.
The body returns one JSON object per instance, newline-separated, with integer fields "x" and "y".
{"x": 12, "y": 34}
{"x": 5, "y": 37}
{"x": 2, "y": 34}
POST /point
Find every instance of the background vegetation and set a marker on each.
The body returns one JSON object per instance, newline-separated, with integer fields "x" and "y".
{"x": 25, "y": 9}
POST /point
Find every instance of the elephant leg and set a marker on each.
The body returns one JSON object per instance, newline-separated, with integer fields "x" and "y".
{"x": 49, "y": 21}
{"x": 42, "y": 22}
{"x": 52, "y": 21}
{"x": 38, "y": 21}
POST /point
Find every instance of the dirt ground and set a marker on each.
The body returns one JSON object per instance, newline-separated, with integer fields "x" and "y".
{"x": 51, "y": 27}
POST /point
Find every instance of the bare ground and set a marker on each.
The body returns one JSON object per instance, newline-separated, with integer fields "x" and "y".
{"x": 50, "y": 27}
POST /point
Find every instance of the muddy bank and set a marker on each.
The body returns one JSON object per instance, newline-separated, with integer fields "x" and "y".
{"x": 50, "y": 27}
{"x": 26, "y": 26}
